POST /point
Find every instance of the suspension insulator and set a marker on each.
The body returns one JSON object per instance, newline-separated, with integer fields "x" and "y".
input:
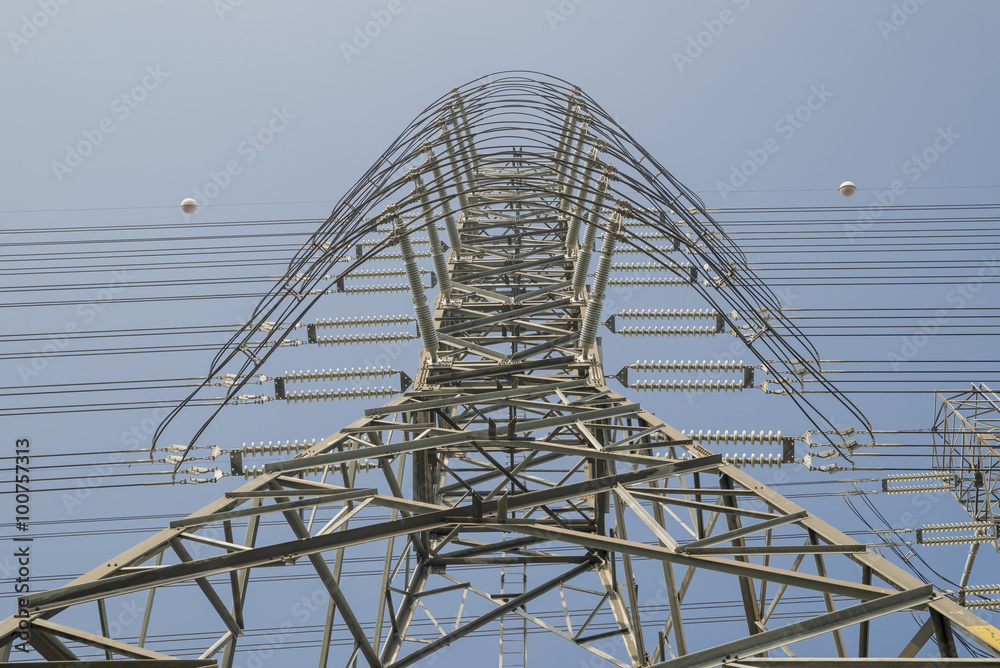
{"x": 253, "y": 471}
{"x": 915, "y": 489}
{"x": 668, "y": 314}
{"x": 338, "y": 374}
{"x": 956, "y": 526}
{"x": 629, "y": 250}
{"x": 573, "y": 228}
{"x": 340, "y": 395}
{"x": 592, "y": 315}
{"x": 370, "y": 289}
{"x": 437, "y": 248}
{"x": 660, "y": 236}
{"x": 462, "y": 185}
{"x": 647, "y": 282}
{"x": 933, "y": 475}
{"x": 668, "y": 331}
{"x": 585, "y": 249}
{"x": 376, "y": 273}
{"x": 425, "y": 322}
{"x": 352, "y": 339}
{"x": 569, "y": 183}
{"x": 279, "y": 448}
{"x": 744, "y": 438}
{"x": 983, "y": 589}
{"x": 416, "y": 242}
{"x": 365, "y": 321}
{"x": 956, "y": 540}
{"x": 650, "y": 266}
{"x": 689, "y": 385}
{"x": 382, "y": 257}
{"x": 988, "y": 604}
{"x": 689, "y": 365}
{"x": 748, "y": 460}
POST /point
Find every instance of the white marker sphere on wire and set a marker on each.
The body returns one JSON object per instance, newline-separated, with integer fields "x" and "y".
{"x": 190, "y": 206}
{"x": 847, "y": 188}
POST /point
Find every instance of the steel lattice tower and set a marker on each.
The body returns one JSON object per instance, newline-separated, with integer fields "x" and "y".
{"x": 514, "y": 479}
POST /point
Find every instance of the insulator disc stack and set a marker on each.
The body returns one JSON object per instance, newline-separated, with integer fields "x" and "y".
{"x": 365, "y": 321}
{"x": 383, "y": 257}
{"x": 751, "y": 460}
{"x": 931, "y": 475}
{"x": 668, "y": 331}
{"x": 915, "y": 489}
{"x": 339, "y": 395}
{"x": 376, "y": 273}
{"x": 647, "y": 282}
{"x": 741, "y": 438}
{"x": 649, "y": 266}
{"x": 254, "y": 471}
{"x": 689, "y": 385}
{"x": 956, "y": 526}
{"x": 989, "y": 604}
{"x": 668, "y": 314}
{"x": 687, "y": 365}
{"x": 983, "y": 589}
{"x": 279, "y": 448}
{"x": 338, "y": 374}
{"x": 956, "y": 540}
{"x": 353, "y": 339}
{"x": 375, "y": 289}
{"x": 628, "y": 250}
{"x": 419, "y": 241}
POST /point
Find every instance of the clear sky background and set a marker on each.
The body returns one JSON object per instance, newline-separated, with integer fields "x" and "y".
{"x": 114, "y": 111}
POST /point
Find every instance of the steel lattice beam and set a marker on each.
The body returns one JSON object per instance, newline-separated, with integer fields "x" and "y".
{"x": 517, "y": 451}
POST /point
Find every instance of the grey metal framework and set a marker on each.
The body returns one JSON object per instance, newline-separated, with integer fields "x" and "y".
{"x": 967, "y": 453}
{"x": 509, "y": 455}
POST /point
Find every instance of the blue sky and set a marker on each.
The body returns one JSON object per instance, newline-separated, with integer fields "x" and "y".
{"x": 117, "y": 110}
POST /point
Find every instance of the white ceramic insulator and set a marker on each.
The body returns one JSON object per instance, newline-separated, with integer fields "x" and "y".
{"x": 667, "y": 331}
{"x": 668, "y": 314}
{"x": 689, "y": 385}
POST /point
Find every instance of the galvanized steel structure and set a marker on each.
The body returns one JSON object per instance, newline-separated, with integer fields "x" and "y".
{"x": 510, "y": 460}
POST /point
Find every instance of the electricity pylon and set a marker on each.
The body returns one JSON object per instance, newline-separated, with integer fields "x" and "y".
{"x": 523, "y": 502}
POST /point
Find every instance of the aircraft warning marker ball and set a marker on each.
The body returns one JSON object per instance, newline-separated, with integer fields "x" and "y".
{"x": 847, "y": 188}
{"x": 190, "y": 206}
